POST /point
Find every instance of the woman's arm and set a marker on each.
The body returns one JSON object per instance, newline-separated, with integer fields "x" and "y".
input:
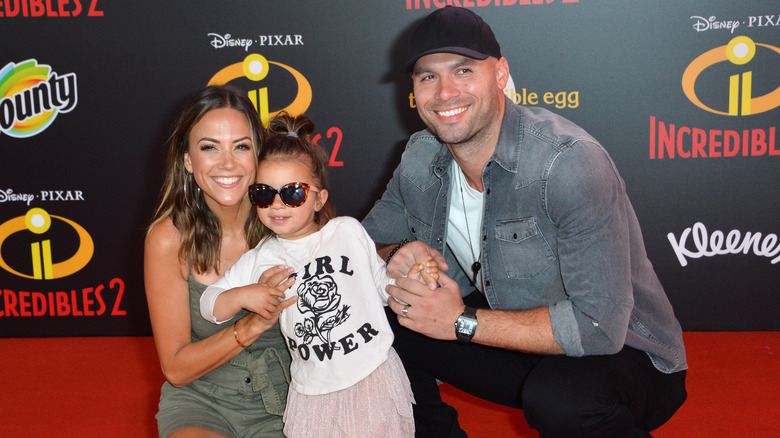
{"x": 165, "y": 276}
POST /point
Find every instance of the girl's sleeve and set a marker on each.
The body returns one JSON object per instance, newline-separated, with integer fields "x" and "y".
{"x": 238, "y": 275}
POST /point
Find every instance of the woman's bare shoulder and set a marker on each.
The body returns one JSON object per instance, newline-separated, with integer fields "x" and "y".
{"x": 163, "y": 237}
{"x": 161, "y": 250}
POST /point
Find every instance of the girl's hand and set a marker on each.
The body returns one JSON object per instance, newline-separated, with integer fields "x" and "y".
{"x": 277, "y": 277}
{"x": 253, "y": 325}
{"x": 426, "y": 273}
{"x": 413, "y": 253}
{"x": 264, "y": 297}
{"x": 259, "y": 323}
{"x": 260, "y": 299}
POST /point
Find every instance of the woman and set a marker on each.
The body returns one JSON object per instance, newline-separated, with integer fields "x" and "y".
{"x": 220, "y": 381}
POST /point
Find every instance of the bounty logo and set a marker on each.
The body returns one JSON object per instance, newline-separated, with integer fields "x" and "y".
{"x": 23, "y": 231}
{"x": 740, "y": 87}
{"x": 31, "y": 96}
{"x": 256, "y": 68}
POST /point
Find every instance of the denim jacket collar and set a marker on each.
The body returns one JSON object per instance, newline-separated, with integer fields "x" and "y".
{"x": 510, "y": 139}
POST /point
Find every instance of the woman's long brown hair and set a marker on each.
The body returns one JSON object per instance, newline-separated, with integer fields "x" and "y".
{"x": 180, "y": 198}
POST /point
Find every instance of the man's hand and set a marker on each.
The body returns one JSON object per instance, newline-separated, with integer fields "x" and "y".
{"x": 430, "y": 312}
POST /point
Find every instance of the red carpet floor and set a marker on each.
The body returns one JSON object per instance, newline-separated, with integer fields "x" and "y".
{"x": 98, "y": 387}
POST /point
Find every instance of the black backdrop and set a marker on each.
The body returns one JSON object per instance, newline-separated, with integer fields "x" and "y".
{"x": 654, "y": 82}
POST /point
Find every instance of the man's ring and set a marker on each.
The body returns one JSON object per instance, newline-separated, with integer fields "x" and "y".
{"x": 405, "y": 310}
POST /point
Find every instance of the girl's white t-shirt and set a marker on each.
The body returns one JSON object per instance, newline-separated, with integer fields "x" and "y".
{"x": 337, "y": 332}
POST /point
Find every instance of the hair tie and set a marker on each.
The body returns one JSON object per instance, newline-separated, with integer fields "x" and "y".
{"x": 292, "y": 134}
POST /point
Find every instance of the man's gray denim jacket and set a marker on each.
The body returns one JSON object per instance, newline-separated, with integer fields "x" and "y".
{"x": 558, "y": 230}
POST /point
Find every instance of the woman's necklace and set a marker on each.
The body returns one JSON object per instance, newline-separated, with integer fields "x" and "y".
{"x": 476, "y": 266}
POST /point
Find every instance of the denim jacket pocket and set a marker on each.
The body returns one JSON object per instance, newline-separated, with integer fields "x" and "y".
{"x": 420, "y": 229}
{"x": 524, "y": 251}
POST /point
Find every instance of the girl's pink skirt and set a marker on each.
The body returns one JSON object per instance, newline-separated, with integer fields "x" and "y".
{"x": 378, "y": 406}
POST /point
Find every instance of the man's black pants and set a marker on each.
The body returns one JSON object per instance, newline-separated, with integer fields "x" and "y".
{"x": 621, "y": 395}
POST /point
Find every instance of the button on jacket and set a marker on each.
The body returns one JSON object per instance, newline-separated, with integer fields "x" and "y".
{"x": 558, "y": 230}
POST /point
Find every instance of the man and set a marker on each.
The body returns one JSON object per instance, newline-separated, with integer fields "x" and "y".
{"x": 568, "y": 320}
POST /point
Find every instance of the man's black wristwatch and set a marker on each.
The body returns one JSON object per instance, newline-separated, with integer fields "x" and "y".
{"x": 466, "y": 325}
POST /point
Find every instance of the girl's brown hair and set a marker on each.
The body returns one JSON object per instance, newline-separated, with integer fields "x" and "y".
{"x": 288, "y": 138}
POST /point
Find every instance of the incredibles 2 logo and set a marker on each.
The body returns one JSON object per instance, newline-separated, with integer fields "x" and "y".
{"x": 42, "y": 264}
{"x": 31, "y": 96}
{"x": 739, "y": 51}
{"x": 256, "y": 69}
{"x": 737, "y": 80}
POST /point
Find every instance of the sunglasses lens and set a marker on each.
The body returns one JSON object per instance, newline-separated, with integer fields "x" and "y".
{"x": 261, "y": 195}
{"x": 293, "y": 195}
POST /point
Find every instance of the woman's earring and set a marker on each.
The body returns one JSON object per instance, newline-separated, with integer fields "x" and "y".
{"x": 186, "y": 183}
{"x": 190, "y": 180}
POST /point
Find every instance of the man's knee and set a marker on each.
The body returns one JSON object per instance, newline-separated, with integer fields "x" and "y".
{"x": 566, "y": 405}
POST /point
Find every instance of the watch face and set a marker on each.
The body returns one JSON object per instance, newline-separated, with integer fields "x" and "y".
{"x": 466, "y": 325}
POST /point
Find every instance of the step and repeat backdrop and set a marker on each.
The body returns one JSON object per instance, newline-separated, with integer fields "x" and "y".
{"x": 685, "y": 95}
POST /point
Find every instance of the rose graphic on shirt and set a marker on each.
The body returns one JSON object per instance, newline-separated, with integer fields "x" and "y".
{"x": 319, "y": 295}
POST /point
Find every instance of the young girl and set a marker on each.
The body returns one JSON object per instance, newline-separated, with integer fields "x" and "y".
{"x": 346, "y": 378}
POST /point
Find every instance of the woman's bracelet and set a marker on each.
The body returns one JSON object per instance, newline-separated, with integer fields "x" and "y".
{"x": 235, "y": 335}
{"x": 397, "y": 247}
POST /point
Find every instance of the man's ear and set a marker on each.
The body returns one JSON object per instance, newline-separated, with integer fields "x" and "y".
{"x": 502, "y": 73}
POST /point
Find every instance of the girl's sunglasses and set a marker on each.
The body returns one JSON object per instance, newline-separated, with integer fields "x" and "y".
{"x": 293, "y": 194}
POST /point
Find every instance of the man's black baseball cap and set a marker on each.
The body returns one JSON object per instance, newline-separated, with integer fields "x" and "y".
{"x": 452, "y": 30}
